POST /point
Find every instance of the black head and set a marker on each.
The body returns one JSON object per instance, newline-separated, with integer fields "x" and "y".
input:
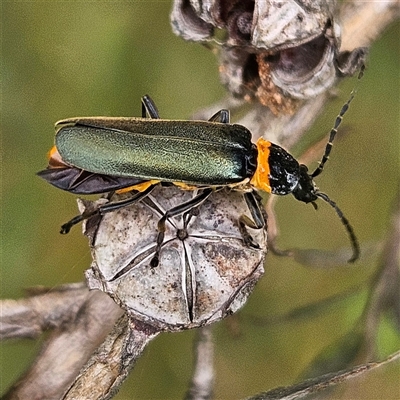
{"x": 305, "y": 190}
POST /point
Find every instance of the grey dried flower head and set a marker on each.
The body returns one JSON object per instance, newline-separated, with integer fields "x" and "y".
{"x": 205, "y": 273}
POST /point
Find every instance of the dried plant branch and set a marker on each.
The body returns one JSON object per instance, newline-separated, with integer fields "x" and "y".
{"x": 108, "y": 367}
{"x": 44, "y": 309}
{"x": 321, "y": 383}
{"x": 364, "y": 21}
{"x": 201, "y": 387}
{"x": 68, "y": 348}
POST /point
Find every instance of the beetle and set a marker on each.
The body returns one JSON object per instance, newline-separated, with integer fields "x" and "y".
{"x": 105, "y": 154}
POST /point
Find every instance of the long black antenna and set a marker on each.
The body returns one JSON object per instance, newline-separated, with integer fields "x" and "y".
{"x": 334, "y": 130}
{"x": 332, "y": 135}
{"x": 346, "y": 223}
{"x": 353, "y": 239}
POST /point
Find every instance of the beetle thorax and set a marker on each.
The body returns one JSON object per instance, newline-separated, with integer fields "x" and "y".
{"x": 284, "y": 171}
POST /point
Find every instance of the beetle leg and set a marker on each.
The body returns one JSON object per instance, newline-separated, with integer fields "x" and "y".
{"x": 259, "y": 220}
{"x": 65, "y": 228}
{"x": 187, "y": 216}
{"x": 149, "y": 108}
{"x": 195, "y": 202}
{"x": 182, "y": 233}
{"x": 123, "y": 203}
{"x": 105, "y": 209}
{"x": 222, "y": 116}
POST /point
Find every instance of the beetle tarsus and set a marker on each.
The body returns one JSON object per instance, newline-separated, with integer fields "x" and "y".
{"x": 249, "y": 241}
{"x": 65, "y": 228}
{"x": 247, "y": 238}
{"x": 154, "y": 261}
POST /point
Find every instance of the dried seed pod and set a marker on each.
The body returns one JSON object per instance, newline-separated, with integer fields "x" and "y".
{"x": 205, "y": 272}
{"x": 277, "y": 52}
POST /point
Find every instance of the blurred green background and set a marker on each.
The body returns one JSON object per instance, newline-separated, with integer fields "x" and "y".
{"x": 65, "y": 59}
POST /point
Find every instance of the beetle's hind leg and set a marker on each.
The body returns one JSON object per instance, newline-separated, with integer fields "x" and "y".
{"x": 182, "y": 208}
{"x": 109, "y": 207}
{"x": 259, "y": 220}
{"x": 65, "y": 228}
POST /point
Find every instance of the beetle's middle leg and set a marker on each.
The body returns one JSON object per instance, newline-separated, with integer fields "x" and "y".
{"x": 193, "y": 203}
{"x": 149, "y": 108}
{"x": 258, "y": 214}
{"x": 222, "y": 116}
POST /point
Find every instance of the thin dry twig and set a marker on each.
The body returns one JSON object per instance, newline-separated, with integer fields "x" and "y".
{"x": 44, "y": 309}
{"x": 316, "y": 385}
{"x": 201, "y": 386}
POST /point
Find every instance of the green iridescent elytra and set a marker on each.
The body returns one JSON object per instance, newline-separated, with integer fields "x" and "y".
{"x": 192, "y": 152}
